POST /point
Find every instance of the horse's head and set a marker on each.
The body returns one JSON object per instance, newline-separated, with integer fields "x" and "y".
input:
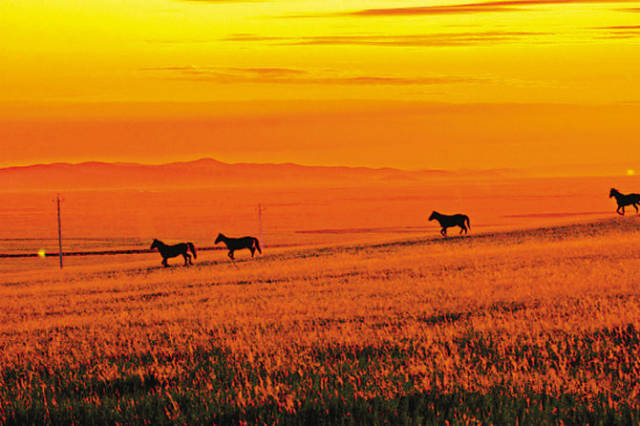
{"x": 154, "y": 244}
{"x": 613, "y": 192}
{"x": 220, "y": 237}
{"x": 433, "y": 215}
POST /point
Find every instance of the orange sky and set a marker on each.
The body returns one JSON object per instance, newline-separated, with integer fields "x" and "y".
{"x": 408, "y": 84}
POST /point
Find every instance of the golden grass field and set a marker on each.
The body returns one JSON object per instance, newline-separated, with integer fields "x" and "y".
{"x": 529, "y": 326}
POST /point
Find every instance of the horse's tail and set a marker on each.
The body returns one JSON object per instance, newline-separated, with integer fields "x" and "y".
{"x": 257, "y": 243}
{"x": 193, "y": 250}
{"x": 466, "y": 219}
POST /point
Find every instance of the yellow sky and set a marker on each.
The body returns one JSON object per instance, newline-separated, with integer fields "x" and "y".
{"x": 134, "y": 61}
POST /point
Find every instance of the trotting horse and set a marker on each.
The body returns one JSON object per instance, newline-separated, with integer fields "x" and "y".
{"x": 233, "y": 244}
{"x": 624, "y": 200}
{"x": 447, "y": 221}
{"x": 167, "y": 251}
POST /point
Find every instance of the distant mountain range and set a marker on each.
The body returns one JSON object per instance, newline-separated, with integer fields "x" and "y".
{"x": 208, "y": 172}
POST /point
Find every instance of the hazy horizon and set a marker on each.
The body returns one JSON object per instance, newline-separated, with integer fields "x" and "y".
{"x": 562, "y": 170}
{"x": 407, "y": 136}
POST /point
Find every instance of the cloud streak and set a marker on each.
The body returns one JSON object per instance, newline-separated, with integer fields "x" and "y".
{"x": 481, "y": 7}
{"x": 258, "y": 72}
{"x": 620, "y": 27}
{"x": 223, "y": 1}
{"x": 295, "y": 76}
{"x": 416, "y": 40}
{"x": 619, "y": 31}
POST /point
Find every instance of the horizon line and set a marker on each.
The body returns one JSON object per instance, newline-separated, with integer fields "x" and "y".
{"x": 523, "y": 172}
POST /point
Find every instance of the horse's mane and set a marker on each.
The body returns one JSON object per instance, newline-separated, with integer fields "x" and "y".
{"x": 158, "y": 243}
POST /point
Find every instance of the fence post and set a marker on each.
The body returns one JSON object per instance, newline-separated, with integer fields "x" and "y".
{"x": 59, "y": 230}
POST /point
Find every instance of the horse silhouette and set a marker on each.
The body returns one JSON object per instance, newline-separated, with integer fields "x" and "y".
{"x": 447, "y": 221}
{"x": 624, "y": 200}
{"x": 233, "y": 244}
{"x": 168, "y": 251}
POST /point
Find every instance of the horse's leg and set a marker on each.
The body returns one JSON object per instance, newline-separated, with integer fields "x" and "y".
{"x": 230, "y": 254}
{"x": 444, "y": 232}
{"x": 187, "y": 259}
{"x": 618, "y": 210}
{"x": 253, "y": 250}
{"x": 636, "y": 207}
{"x": 164, "y": 262}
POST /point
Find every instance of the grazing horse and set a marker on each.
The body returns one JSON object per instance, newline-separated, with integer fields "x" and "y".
{"x": 233, "y": 244}
{"x": 624, "y": 200}
{"x": 167, "y": 251}
{"x": 447, "y": 221}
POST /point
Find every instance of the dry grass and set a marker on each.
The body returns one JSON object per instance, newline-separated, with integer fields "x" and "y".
{"x": 526, "y": 325}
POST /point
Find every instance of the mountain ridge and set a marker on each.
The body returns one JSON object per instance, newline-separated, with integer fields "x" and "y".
{"x": 207, "y": 172}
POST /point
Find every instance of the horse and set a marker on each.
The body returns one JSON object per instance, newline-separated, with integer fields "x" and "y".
{"x": 624, "y": 200}
{"x": 233, "y": 244}
{"x": 447, "y": 221}
{"x": 167, "y": 251}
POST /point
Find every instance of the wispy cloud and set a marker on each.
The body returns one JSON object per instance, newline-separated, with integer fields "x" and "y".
{"x": 386, "y": 80}
{"x": 434, "y": 10}
{"x": 480, "y": 7}
{"x": 296, "y": 76}
{"x": 253, "y": 37}
{"x": 181, "y": 41}
{"x": 269, "y": 71}
{"x": 425, "y": 40}
{"x": 620, "y": 27}
{"x": 620, "y": 31}
{"x": 230, "y": 73}
{"x": 222, "y": 1}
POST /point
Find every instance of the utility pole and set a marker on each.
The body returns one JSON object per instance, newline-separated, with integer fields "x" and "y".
{"x": 260, "y": 209}
{"x": 59, "y": 230}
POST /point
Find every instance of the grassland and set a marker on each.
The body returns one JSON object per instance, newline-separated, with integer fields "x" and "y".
{"x": 529, "y": 326}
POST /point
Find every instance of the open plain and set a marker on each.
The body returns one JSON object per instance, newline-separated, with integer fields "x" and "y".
{"x": 333, "y": 132}
{"x": 531, "y": 325}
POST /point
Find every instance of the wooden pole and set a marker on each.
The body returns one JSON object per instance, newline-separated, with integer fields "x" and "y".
{"x": 260, "y": 224}
{"x": 59, "y": 230}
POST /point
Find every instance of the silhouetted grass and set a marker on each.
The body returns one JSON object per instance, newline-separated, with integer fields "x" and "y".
{"x": 69, "y": 394}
